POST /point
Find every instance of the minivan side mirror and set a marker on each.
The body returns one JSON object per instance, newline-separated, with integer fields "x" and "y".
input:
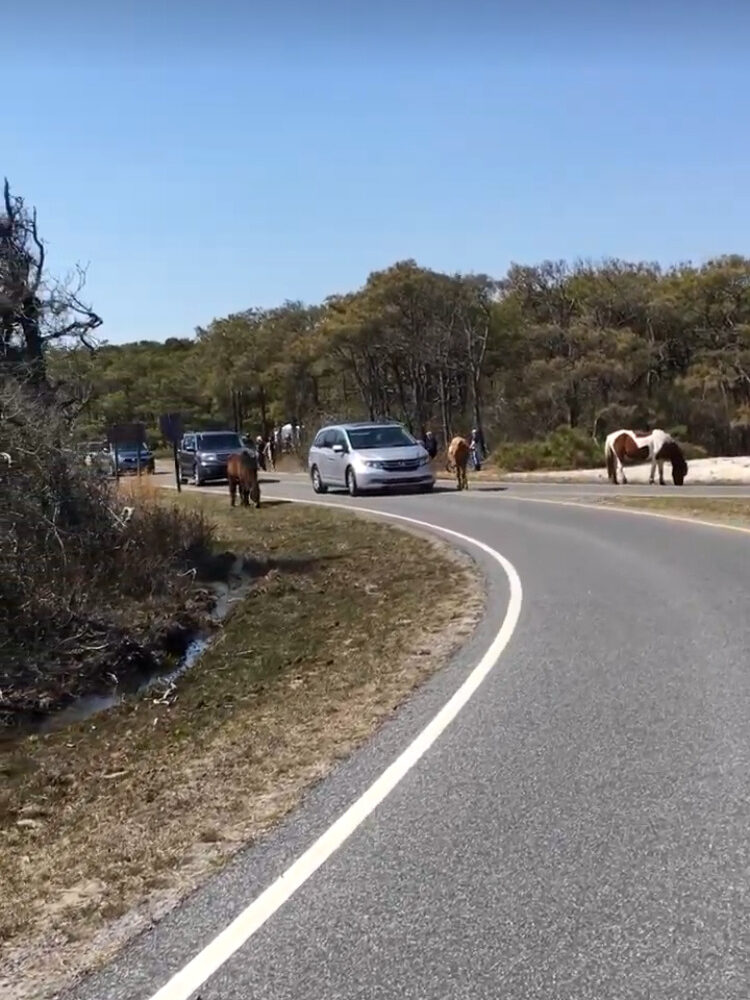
{"x": 339, "y": 449}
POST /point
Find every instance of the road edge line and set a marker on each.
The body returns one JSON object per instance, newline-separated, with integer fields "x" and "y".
{"x": 612, "y": 508}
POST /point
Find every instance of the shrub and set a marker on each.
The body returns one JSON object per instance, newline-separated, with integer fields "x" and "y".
{"x": 568, "y": 448}
{"x": 564, "y": 448}
{"x": 83, "y": 590}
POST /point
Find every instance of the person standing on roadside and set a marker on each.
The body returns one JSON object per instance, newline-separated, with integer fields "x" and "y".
{"x": 270, "y": 452}
{"x": 261, "y": 450}
{"x": 476, "y": 448}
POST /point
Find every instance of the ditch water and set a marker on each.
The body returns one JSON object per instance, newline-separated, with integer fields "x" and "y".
{"x": 226, "y": 595}
{"x": 92, "y": 704}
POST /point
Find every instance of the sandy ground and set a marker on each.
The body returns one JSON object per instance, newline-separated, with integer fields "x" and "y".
{"x": 701, "y": 471}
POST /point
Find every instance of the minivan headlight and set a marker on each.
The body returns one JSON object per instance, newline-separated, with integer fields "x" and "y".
{"x": 369, "y": 464}
{"x": 424, "y": 459}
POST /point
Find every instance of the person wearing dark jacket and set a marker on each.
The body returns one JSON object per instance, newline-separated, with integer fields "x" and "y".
{"x": 430, "y": 444}
{"x": 476, "y": 445}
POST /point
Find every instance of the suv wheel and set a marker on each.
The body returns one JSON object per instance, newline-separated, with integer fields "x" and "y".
{"x": 317, "y": 483}
{"x": 351, "y": 482}
{"x": 197, "y": 480}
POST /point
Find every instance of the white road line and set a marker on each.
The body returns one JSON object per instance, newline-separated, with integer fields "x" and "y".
{"x": 613, "y": 508}
{"x": 184, "y": 983}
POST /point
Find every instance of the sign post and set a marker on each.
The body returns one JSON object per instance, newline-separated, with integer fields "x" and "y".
{"x": 172, "y": 429}
{"x": 132, "y": 434}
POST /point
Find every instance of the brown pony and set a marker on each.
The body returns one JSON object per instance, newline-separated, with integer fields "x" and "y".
{"x": 242, "y": 473}
{"x": 458, "y": 458}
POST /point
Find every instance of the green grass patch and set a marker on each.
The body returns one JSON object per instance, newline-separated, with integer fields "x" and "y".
{"x": 722, "y": 510}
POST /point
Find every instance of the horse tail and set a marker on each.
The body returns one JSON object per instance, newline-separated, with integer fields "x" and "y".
{"x": 609, "y": 454}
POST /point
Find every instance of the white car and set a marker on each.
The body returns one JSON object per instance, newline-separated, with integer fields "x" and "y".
{"x": 368, "y": 456}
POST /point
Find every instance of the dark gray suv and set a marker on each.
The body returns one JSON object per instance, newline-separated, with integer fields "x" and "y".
{"x": 203, "y": 455}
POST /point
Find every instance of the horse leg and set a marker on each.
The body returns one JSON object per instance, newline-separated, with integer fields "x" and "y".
{"x": 653, "y": 471}
{"x": 621, "y": 467}
{"x": 255, "y": 493}
{"x": 661, "y": 472}
{"x": 611, "y": 460}
{"x": 232, "y": 490}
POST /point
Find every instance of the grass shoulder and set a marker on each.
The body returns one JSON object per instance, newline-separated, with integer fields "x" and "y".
{"x": 106, "y": 824}
{"x": 722, "y": 510}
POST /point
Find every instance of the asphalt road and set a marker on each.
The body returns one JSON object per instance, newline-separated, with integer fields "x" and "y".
{"x": 579, "y": 832}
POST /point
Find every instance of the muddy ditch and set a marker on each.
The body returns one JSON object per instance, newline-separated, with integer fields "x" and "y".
{"x": 122, "y": 664}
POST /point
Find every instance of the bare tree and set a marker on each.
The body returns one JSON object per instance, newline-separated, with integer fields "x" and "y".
{"x": 34, "y": 309}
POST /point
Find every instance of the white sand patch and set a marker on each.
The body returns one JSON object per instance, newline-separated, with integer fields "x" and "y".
{"x": 701, "y": 472}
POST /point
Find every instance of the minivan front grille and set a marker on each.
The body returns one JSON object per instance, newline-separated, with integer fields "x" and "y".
{"x": 401, "y": 465}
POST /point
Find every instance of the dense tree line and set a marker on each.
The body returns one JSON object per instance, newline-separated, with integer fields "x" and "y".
{"x": 588, "y": 346}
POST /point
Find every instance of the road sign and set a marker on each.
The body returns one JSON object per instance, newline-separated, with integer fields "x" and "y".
{"x": 126, "y": 434}
{"x": 171, "y": 426}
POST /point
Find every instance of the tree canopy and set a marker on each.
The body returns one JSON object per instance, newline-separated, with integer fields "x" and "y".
{"x": 590, "y": 346}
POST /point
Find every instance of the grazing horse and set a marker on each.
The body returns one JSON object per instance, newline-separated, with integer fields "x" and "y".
{"x": 458, "y": 457}
{"x": 242, "y": 473}
{"x": 656, "y": 446}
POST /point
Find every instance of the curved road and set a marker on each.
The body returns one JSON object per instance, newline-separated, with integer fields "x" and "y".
{"x": 581, "y": 830}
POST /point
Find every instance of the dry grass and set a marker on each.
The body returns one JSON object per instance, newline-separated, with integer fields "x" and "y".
{"x": 729, "y": 510}
{"x": 84, "y": 592}
{"x": 106, "y": 825}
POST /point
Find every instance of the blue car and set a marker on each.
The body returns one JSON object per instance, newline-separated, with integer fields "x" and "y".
{"x": 128, "y": 459}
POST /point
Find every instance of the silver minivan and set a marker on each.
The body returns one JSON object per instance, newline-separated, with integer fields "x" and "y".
{"x": 368, "y": 456}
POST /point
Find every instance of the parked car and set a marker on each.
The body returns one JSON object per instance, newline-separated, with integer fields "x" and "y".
{"x": 128, "y": 459}
{"x": 368, "y": 456}
{"x": 203, "y": 455}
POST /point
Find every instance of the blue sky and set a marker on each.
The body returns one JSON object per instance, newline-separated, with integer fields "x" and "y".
{"x": 202, "y": 158}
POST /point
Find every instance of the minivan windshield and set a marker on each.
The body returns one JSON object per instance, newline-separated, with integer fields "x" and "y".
{"x": 362, "y": 438}
{"x": 219, "y": 442}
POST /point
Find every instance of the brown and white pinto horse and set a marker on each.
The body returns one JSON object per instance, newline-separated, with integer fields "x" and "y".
{"x": 656, "y": 446}
{"x": 242, "y": 473}
{"x": 458, "y": 459}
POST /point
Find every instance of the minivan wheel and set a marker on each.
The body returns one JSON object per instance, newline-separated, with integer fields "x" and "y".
{"x": 317, "y": 483}
{"x": 351, "y": 482}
